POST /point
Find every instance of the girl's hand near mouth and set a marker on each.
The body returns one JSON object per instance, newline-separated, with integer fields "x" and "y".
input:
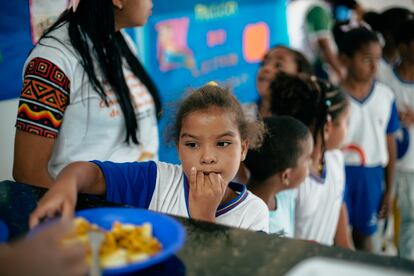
{"x": 207, "y": 190}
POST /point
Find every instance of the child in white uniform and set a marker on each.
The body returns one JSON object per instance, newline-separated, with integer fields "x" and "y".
{"x": 212, "y": 136}
{"x": 278, "y": 168}
{"x": 401, "y": 81}
{"x": 324, "y": 109}
{"x": 370, "y": 140}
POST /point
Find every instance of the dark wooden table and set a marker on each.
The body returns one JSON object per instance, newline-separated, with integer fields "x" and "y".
{"x": 209, "y": 249}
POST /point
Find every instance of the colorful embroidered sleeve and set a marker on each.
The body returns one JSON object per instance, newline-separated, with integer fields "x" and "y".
{"x": 44, "y": 98}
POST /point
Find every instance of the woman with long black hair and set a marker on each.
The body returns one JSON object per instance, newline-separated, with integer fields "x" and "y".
{"x": 85, "y": 95}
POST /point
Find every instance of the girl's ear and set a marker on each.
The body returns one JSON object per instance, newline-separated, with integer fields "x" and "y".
{"x": 328, "y": 128}
{"x": 245, "y": 148}
{"x": 285, "y": 177}
{"x": 118, "y": 3}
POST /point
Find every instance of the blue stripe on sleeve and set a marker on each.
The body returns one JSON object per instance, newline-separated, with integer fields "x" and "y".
{"x": 394, "y": 122}
{"x": 129, "y": 183}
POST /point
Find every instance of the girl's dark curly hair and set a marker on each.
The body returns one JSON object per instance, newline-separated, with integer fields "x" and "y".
{"x": 308, "y": 99}
{"x": 209, "y": 96}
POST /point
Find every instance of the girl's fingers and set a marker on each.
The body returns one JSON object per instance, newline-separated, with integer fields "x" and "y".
{"x": 67, "y": 210}
{"x": 222, "y": 183}
{"x": 193, "y": 176}
{"x": 200, "y": 181}
{"x": 33, "y": 220}
{"x": 44, "y": 210}
{"x": 194, "y": 179}
{"x": 51, "y": 213}
{"x": 215, "y": 185}
{"x": 38, "y": 214}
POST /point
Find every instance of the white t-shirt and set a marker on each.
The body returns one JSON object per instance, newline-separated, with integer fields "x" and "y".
{"x": 319, "y": 202}
{"x": 89, "y": 129}
{"x": 404, "y": 95}
{"x": 164, "y": 188}
{"x": 383, "y": 71}
{"x": 370, "y": 121}
{"x": 282, "y": 220}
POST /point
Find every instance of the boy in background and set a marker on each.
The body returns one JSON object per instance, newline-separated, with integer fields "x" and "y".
{"x": 370, "y": 138}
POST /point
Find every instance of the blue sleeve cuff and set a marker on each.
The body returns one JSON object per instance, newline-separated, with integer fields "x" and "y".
{"x": 394, "y": 122}
{"x": 129, "y": 183}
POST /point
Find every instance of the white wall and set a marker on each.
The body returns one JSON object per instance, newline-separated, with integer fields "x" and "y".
{"x": 380, "y": 5}
{"x": 8, "y": 111}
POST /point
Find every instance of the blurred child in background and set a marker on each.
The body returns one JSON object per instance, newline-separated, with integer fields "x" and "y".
{"x": 389, "y": 22}
{"x": 370, "y": 139}
{"x": 324, "y": 109}
{"x": 278, "y": 59}
{"x": 278, "y": 168}
{"x": 401, "y": 81}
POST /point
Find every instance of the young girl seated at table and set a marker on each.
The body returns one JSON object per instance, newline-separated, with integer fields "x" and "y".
{"x": 212, "y": 136}
{"x": 324, "y": 109}
{"x": 278, "y": 168}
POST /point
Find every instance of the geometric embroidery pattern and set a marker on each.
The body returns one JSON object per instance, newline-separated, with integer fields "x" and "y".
{"x": 44, "y": 98}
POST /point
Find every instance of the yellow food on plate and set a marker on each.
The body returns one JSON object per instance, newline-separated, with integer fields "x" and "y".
{"x": 123, "y": 244}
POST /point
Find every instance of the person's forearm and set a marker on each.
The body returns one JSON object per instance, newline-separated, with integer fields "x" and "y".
{"x": 390, "y": 169}
{"x": 87, "y": 177}
{"x": 329, "y": 56}
{"x": 342, "y": 236}
{"x": 35, "y": 178}
{"x": 8, "y": 259}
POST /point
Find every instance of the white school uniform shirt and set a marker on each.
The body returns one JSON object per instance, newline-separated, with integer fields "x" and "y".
{"x": 404, "y": 95}
{"x": 91, "y": 130}
{"x": 282, "y": 220}
{"x": 383, "y": 71}
{"x": 370, "y": 120}
{"x": 164, "y": 188}
{"x": 319, "y": 200}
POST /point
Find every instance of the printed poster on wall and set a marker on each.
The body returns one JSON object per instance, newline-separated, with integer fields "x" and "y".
{"x": 22, "y": 22}
{"x": 193, "y": 42}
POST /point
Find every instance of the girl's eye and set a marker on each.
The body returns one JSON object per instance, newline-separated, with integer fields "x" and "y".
{"x": 223, "y": 144}
{"x": 366, "y": 60}
{"x": 279, "y": 65}
{"x": 191, "y": 144}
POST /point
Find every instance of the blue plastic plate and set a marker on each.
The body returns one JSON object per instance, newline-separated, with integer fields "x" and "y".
{"x": 167, "y": 230}
{"x": 4, "y": 232}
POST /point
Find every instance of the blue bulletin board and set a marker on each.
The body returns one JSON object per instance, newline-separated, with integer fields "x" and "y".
{"x": 22, "y": 22}
{"x": 193, "y": 42}
{"x": 15, "y": 43}
{"x": 185, "y": 44}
